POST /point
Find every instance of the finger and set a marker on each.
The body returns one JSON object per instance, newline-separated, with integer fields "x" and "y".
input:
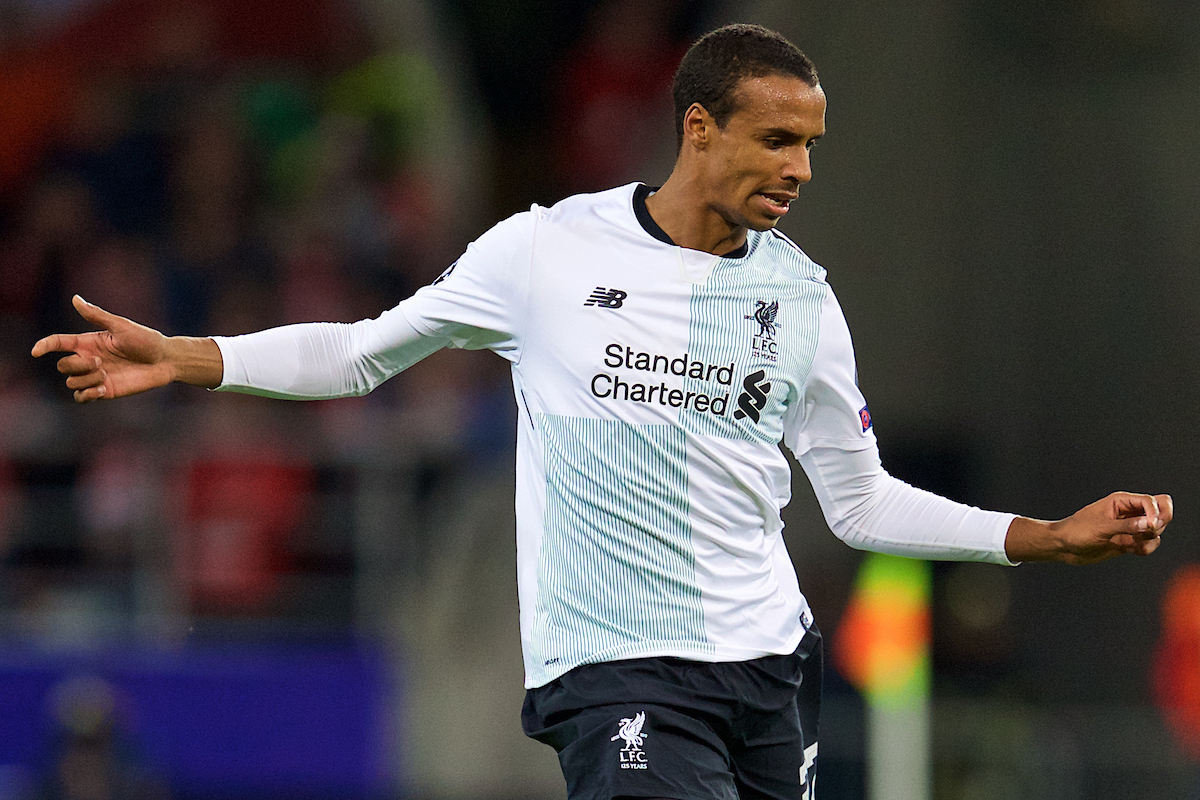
{"x": 90, "y": 395}
{"x": 96, "y": 378}
{"x": 78, "y": 365}
{"x": 55, "y": 343}
{"x": 95, "y": 314}
{"x": 1137, "y": 527}
{"x": 1166, "y": 508}
{"x": 1147, "y": 547}
{"x": 1139, "y": 506}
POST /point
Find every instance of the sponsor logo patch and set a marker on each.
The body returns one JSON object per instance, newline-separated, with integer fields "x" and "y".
{"x": 750, "y": 402}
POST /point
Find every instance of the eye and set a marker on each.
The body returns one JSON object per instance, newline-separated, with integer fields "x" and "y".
{"x": 774, "y": 143}
{"x": 810, "y": 144}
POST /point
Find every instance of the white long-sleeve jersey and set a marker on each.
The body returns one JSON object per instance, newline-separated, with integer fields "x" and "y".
{"x": 655, "y": 384}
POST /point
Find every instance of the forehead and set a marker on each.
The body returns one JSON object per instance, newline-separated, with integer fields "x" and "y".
{"x": 780, "y": 101}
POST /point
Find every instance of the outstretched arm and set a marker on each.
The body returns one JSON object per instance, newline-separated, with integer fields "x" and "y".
{"x": 308, "y": 361}
{"x": 1122, "y": 523}
{"x": 124, "y": 358}
{"x": 477, "y": 303}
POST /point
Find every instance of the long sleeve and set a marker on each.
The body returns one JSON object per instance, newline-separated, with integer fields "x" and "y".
{"x": 832, "y": 436}
{"x": 870, "y": 510}
{"x": 477, "y": 303}
{"x": 322, "y": 360}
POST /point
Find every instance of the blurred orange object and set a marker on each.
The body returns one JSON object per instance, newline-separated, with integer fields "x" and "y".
{"x": 1176, "y": 667}
{"x": 882, "y": 643}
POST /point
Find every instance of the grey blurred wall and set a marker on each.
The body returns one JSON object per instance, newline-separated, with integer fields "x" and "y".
{"x": 1007, "y": 204}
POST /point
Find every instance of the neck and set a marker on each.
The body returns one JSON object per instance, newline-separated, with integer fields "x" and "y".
{"x": 680, "y": 210}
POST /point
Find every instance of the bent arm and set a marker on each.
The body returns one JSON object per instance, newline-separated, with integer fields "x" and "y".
{"x": 870, "y": 510}
{"x": 323, "y": 360}
{"x": 831, "y": 435}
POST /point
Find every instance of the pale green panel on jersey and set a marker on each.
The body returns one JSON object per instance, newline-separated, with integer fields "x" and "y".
{"x": 723, "y": 331}
{"x": 617, "y": 568}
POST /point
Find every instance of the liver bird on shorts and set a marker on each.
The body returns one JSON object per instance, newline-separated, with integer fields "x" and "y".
{"x": 631, "y": 731}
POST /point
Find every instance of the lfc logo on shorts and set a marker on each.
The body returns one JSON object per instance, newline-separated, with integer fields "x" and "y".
{"x": 632, "y": 754}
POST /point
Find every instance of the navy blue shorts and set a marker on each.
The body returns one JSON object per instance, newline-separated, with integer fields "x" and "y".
{"x": 685, "y": 730}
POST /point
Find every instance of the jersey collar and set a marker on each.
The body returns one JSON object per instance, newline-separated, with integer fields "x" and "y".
{"x": 640, "y": 193}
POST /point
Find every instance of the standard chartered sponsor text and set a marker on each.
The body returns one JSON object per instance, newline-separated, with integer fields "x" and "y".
{"x": 616, "y": 387}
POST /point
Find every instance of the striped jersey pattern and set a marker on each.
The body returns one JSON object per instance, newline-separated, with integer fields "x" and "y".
{"x": 617, "y": 566}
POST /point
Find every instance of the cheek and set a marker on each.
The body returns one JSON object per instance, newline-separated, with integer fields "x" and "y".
{"x": 745, "y": 168}
{"x": 757, "y": 164}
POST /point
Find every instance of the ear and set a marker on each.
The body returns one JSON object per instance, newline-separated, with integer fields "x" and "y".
{"x": 698, "y": 126}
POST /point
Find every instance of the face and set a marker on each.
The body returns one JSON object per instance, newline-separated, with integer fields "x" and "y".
{"x": 754, "y": 165}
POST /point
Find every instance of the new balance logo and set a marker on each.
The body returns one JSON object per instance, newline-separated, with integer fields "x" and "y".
{"x": 606, "y": 298}
{"x": 751, "y": 402}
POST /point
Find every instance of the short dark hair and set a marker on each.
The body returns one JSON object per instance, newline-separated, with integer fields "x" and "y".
{"x": 713, "y": 67}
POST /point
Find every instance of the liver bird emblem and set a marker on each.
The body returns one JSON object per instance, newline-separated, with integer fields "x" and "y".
{"x": 764, "y": 315}
{"x": 631, "y": 731}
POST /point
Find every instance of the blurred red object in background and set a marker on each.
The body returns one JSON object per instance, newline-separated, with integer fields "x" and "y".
{"x": 1176, "y": 668}
{"x": 240, "y": 511}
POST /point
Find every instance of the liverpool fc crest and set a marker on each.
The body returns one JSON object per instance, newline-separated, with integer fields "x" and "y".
{"x": 763, "y": 344}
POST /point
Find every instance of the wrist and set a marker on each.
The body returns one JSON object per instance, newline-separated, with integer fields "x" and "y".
{"x": 1034, "y": 540}
{"x": 193, "y": 360}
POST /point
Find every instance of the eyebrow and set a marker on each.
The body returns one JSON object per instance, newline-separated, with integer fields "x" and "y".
{"x": 788, "y": 134}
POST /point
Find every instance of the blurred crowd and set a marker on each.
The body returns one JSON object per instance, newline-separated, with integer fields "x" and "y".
{"x": 202, "y": 168}
{"x": 221, "y": 166}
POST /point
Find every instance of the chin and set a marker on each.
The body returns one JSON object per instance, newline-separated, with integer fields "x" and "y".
{"x": 754, "y": 219}
{"x": 763, "y": 223}
{"x": 751, "y": 220}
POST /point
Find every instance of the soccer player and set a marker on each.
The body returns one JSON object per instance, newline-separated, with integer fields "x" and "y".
{"x": 663, "y": 343}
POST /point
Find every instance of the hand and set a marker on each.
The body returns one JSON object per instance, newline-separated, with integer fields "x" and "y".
{"x": 122, "y": 358}
{"x": 1120, "y": 524}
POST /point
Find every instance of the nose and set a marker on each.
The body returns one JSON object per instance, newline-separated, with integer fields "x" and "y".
{"x": 799, "y": 166}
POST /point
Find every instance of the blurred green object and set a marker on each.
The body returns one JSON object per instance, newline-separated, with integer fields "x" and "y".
{"x": 280, "y": 117}
{"x": 399, "y": 96}
{"x": 276, "y": 112}
{"x": 393, "y": 98}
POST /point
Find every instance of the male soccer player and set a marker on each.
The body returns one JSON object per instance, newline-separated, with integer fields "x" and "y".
{"x": 663, "y": 343}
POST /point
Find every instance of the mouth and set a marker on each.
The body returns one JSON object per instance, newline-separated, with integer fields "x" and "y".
{"x": 777, "y": 203}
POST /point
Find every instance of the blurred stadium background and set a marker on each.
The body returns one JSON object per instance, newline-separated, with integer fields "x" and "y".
{"x": 218, "y": 596}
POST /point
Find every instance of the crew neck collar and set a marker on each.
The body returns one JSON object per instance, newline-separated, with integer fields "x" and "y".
{"x": 640, "y": 193}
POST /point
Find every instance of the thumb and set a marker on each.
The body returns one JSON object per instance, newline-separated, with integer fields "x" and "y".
{"x": 94, "y": 314}
{"x": 1137, "y": 527}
